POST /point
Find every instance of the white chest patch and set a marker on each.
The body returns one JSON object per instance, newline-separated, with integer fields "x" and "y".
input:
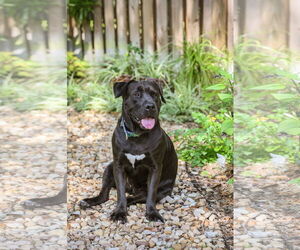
{"x": 132, "y": 158}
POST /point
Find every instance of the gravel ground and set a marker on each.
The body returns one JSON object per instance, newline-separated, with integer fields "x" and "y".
{"x": 32, "y": 164}
{"x": 197, "y": 215}
{"x": 266, "y": 213}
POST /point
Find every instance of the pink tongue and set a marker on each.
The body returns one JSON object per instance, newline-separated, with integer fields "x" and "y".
{"x": 148, "y": 123}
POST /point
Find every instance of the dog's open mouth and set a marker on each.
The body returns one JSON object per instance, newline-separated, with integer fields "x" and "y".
{"x": 148, "y": 123}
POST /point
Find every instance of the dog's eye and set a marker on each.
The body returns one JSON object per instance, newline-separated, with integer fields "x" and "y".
{"x": 137, "y": 94}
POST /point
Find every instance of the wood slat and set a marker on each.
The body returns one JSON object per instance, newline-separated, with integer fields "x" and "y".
{"x": 206, "y": 19}
{"x": 219, "y": 13}
{"x": 148, "y": 26}
{"x": 252, "y": 19}
{"x": 57, "y": 38}
{"x": 230, "y": 24}
{"x": 294, "y": 26}
{"x": 88, "y": 49}
{"x": 192, "y": 21}
{"x": 177, "y": 26}
{"x": 161, "y": 27}
{"x": 109, "y": 27}
{"x": 134, "y": 24}
{"x": 274, "y": 24}
{"x": 98, "y": 32}
{"x": 122, "y": 26}
{"x": 236, "y": 24}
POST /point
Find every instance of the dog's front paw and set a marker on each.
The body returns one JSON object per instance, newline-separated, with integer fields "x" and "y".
{"x": 154, "y": 215}
{"x": 83, "y": 204}
{"x": 119, "y": 215}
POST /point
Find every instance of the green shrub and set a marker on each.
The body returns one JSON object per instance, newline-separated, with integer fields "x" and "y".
{"x": 212, "y": 136}
{"x": 187, "y": 78}
{"x": 15, "y": 67}
{"x": 76, "y": 68}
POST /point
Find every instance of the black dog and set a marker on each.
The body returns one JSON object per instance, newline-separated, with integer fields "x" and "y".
{"x": 144, "y": 158}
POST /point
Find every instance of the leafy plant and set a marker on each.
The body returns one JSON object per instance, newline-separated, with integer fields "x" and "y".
{"x": 76, "y": 68}
{"x": 212, "y": 135}
{"x": 266, "y": 104}
{"x": 14, "y": 66}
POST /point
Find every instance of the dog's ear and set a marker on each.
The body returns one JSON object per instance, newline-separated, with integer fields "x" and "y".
{"x": 120, "y": 85}
{"x": 160, "y": 83}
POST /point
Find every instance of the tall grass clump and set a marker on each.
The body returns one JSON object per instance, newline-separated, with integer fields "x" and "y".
{"x": 186, "y": 77}
{"x": 26, "y": 86}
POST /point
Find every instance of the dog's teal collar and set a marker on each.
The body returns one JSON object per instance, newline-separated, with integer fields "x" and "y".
{"x": 127, "y": 132}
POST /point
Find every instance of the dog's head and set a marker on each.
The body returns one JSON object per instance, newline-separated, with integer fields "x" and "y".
{"x": 141, "y": 99}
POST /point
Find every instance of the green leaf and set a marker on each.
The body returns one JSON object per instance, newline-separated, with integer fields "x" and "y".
{"x": 219, "y": 86}
{"x": 225, "y": 97}
{"x": 285, "y": 97}
{"x": 205, "y": 174}
{"x": 250, "y": 174}
{"x": 230, "y": 181}
{"x": 274, "y": 86}
{"x": 290, "y": 126}
{"x": 227, "y": 127}
{"x": 295, "y": 181}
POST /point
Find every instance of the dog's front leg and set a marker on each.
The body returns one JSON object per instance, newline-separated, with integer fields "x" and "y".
{"x": 153, "y": 180}
{"x": 120, "y": 212}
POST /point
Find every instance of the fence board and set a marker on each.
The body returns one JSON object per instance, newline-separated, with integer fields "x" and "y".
{"x": 230, "y": 23}
{"x": 219, "y": 24}
{"x": 98, "y": 32}
{"x": 134, "y": 24}
{"x": 192, "y": 21}
{"x": 274, "y": 23}
{"x": 148, "y": 25}
{"x": 122, "y": 26}
{"x": 161, "y": 27}
{"x": 88, "y": 50}
{"x": 109, "y": 27}
{"x": 294, "y": 26}
{"x": 236, "y": 24}
{"x": 37, "y": 44}
{"x": 206, "y": 19}
{"x": 177, "y": 26}
{"x": 252, "y": 19}
{"x": 57, "y": 44}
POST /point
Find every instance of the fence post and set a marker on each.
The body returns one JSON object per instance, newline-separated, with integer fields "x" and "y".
{"x": 134, "y": 24}
{"x": 57, "y": 41}
{"x": 37, "y": 43}
{"x": 274, "y": 26}
{"x": 192, "y": 21}
{"x": 88, "y": 49}
{"x": 294, "y": 26}
{"x": 109, "y": 27}
{"x": 177, "y": 27}
{"x": 148, "y": 25}
{"x": 98, "y": 33}
{"x": 219, "y": 24}
{"x": 122, "y": 26}
{"x": 161, "y": 27}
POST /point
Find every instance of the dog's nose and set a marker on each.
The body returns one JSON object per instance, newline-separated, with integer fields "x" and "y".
{"x": 150, "y": 107}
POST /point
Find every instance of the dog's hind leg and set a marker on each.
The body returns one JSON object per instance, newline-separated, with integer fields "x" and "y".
{"x": 60, "y": 198}
{"x": 108, "y": 183}
{"x": 142, "y": 196}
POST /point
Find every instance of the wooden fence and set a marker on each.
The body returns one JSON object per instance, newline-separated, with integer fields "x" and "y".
{"x": 153, "y": 25}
